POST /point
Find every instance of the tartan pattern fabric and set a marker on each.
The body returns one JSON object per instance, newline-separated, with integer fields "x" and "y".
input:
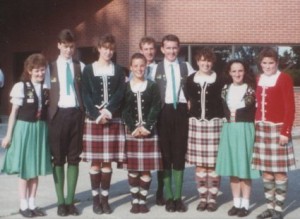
{"x": 203, "y": 141}
{"x": 142, "y": 154}
{"x": 268, "y": 155}
{"x": 104, "y": 143}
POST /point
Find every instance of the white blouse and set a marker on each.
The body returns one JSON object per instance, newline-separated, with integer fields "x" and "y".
{"x": 235, "y": 98}
{"x": 17, "y": 93}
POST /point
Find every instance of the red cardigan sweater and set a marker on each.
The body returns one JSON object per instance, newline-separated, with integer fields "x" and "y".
{"x": 279, "y": 103}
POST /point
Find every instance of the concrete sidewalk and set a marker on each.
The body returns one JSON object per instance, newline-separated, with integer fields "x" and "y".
{"x": 120, "y": 197}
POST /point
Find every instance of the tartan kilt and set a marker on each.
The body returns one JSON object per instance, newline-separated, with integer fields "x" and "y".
{"x": 203, "y": 141}
{"x": 142, "y": 154}
{"x": 103, "y": 142}
{"x": 268, "y": 155}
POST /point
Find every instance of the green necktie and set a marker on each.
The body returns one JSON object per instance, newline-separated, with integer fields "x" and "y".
{"x": 174, "y": 87}
{"x": 69, "y": 79}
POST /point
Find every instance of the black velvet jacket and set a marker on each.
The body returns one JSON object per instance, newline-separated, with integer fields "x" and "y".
{"x": 246, "y": 114}
{"x": 92, "y": 91}
{"x": 150, "y": 102}
{"x": 213, "y": 101}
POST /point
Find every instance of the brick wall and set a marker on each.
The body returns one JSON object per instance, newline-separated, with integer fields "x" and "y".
{"x": 32, "y": 25}
{"x": 297, "y": 102}
{"x": 226, "y": 21}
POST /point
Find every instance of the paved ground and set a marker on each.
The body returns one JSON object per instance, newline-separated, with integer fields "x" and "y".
{"x": 120, "y": 197}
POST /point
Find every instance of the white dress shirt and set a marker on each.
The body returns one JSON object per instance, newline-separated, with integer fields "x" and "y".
{"x": 169, "y": 88}
{"x": 65, "y": 100}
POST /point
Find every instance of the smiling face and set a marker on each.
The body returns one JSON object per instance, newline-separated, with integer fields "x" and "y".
{"x": 137, "y": 68}
{"x": 170, "y": 49}
{"x": 37, "y": 74}
{"x": 106, "y": 53}
{"x": 237, "y": 72}
{"x": 205, "y": 66}
{"x": 269, "y": 66}
{"x": 148, "y": 50}
{"x": 67, "y": 49}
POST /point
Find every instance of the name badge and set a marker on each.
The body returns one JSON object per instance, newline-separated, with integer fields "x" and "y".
{"x": 30, "y": 100}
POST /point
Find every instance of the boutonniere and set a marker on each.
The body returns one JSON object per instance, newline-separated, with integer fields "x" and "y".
{"x": 78, "y": 78}
{"x": 53, "y": 80}
{"x": 159, "y": 76}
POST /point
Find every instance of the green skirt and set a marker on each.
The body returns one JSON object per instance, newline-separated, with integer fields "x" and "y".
{"x": 235, "y": 151}
{"x": 28, "y": 154}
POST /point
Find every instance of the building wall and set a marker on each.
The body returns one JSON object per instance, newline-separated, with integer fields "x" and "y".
{"x": 225, "y": 21}
{"x": 33, "y": 25}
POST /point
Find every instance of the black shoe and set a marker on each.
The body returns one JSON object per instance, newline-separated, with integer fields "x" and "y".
{"x": 277, "y": 215}
{"x": 105, "y": 205}
{"x": 179, "y": 206}
{"x": 143, "y": 208}
{"x": 38, "y": 212}
{"x": 233, "y": 211}
{"x": 135, "y": 208}
{"x": 211, "y": 207}
{"x": 97, "y": 208}
{"x": 201, "y": 206}
{"x": 72, "y": 210}
{"x": 265, "y": 214}
{"x": 62, "y": 210}
{"x": 170, "y": 205}
{"x": 160, "y": 201}
{"x": 26, "y": 213}
{"x": 243, "y": 212}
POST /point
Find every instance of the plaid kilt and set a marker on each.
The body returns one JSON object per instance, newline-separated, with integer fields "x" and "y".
{"x": 268, "y": 155}
{"x": 103, "y": 143}
{"x": 203, "y": 141}
{"x": 142, "y": 154}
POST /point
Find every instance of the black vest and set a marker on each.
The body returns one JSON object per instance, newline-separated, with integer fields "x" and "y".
{"x": 161, "y": 80}
{"x": 29, "y": 110}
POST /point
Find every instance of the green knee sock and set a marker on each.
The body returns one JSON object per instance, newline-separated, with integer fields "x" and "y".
{"x": 168, "y": 184}
{"x": 178, "y": 180}
{"x": 59, "y": 177}
{"x": 72, "y": 176}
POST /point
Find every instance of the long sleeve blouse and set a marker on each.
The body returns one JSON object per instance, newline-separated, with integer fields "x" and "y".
{"x": 275, "y": 101}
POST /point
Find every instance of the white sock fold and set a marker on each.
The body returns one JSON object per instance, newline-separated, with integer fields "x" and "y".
{"x": 237, "y": 202}
{"x": 245, "y": 203}
{"x": 23, "y": 204}
{"x": 31, "y": 203}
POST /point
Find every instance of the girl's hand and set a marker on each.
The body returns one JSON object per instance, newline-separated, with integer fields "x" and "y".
{"x": 189, "y": 105}
{"x": 136, "y": 133}
{"x": 5, "y": 142}
{"x": 104, "y": 120}
{"x": 283, "y": 140}
{"x": 144, "y": 131}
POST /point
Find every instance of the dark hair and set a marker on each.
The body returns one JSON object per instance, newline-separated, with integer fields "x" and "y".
{"x": 137, "y": 56}
{"x": 148, "y": 40}
{"x": 66, "y": 36}
{"x": 268, "y": 52}
{"x": 248, "y": 77}
{"x": 170, "y": 37}
{"x": 206, "y": 53}
{"x": 35, "y": 60}
{"x": 107, "y": 41}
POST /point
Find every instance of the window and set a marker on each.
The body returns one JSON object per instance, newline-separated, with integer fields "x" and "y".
{"x": 289, "y": 57}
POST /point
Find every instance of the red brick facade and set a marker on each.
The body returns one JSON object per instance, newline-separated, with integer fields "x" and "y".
{"x": 33, "y": 25}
